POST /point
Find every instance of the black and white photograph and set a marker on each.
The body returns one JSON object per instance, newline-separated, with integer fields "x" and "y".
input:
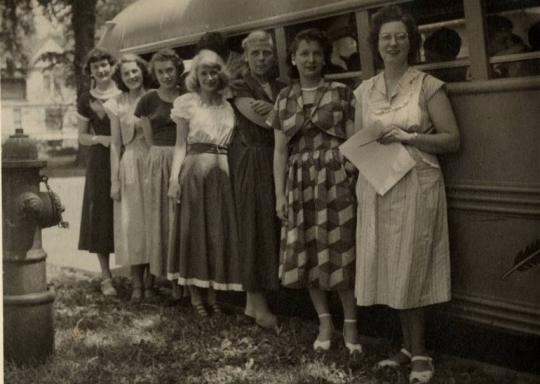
{"x": 270, "y": 191}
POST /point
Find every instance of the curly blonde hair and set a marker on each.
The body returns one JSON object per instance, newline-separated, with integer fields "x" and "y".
{"x": 211, "y": 59}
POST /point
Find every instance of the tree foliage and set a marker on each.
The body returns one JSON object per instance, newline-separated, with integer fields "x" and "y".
{"x": 80, "y": 20}
{"x": 17, "y": 22}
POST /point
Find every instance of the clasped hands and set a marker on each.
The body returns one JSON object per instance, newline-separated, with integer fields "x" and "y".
{"x": 394, "y": 134}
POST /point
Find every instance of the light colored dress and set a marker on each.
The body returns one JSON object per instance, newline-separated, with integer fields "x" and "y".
{"x": 158, "y": 208}
{"x": 204, "y": 242}
{"x": 403, "y": 257}
{"x": 129, "y": 223}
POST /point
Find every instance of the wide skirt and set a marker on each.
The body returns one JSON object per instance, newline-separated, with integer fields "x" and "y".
{"x": 204, "y": 246}
{"x": 258, "y": 226}
{"x": 403, "y": 257}
{"x": 129, "y": 223}
{"x": 317, "y": 241}
{"x": 96, "y": 232}
{"x": 158, "y": 207}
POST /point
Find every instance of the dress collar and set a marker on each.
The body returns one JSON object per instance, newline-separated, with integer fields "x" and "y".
{"x": 105, "y": 95}
{"x": 407, "y": 78}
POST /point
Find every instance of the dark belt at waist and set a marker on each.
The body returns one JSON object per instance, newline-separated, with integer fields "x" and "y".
{"x": 159, "y": 143}
{"x": 207, "y": 148}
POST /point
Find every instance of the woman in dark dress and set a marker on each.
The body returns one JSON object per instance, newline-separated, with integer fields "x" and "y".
{"x": 94, "y": 126}
{"x": 251, "y": 156}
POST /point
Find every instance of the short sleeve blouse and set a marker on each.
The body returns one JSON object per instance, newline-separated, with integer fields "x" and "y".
{"x": 406, "y": 108}
{"x": 91, "y": 109}
{"x": 158, "y": 112}
{"x": 207, "y": 124}
{"x": 121, "y": 108}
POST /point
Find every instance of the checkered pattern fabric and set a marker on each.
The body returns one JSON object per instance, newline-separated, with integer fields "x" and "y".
{"x": 317, "y": 243}
{"x": 334, "y": 107}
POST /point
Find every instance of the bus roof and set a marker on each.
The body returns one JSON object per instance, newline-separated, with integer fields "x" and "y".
{"x": 149, "y": 25}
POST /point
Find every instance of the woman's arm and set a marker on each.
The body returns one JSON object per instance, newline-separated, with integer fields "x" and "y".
{"x": 253, "y": 110}
{"x": 147, "y": 130}
{"x": 87, "y": 138}
{"x": 446, "y": 137}
{"x": 180, "y": 149}
{"x": 358, "y": 121}
{"x": 116, "y": 151}
{"x": 281, "y": 156}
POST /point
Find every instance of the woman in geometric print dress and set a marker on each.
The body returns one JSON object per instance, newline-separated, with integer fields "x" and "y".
{"x": 94, "y": 128}
{"x": 251, "y": 156}
{"x": 314, "y": 192}
{"x": 129, "y": 153}
{"x": 403, "y": 258}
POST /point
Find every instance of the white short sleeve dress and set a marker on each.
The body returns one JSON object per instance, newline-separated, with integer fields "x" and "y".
{"x": 403, "y": 257}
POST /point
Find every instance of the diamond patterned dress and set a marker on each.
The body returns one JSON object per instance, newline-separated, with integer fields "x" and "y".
{"x": 317, "y": 242}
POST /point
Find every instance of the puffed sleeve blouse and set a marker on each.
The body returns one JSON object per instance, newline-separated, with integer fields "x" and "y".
{"x": 207, "y": 123}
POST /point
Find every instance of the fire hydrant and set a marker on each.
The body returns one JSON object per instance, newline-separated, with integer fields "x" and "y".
{"x": 28, "y": 301}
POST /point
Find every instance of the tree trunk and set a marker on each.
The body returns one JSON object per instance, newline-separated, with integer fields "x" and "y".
{"x": 83, "y": 20}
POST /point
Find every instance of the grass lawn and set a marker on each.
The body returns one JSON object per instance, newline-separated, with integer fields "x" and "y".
{"x": 108, "y": 340}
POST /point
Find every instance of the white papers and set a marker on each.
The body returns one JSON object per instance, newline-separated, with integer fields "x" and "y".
{"x": 383, "y": 165}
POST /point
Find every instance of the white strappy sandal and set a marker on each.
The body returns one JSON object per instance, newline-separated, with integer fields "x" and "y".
{"x": 391, "y": 363}
{"x": 322, "y": 345}
{"x": 422, "y": 376}
{"x": 352, "y": 347}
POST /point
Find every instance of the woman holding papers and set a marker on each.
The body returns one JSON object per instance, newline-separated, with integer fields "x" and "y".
{"x": 314, "y": 196}
{"x": 403, "y": 256}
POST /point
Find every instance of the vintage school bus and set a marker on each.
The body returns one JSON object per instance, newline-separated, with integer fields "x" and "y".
{"x": 493, "y": 184}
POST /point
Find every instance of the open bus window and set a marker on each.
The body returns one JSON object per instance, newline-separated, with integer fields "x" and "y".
{"x": 444, "y": 52}
{"x": 513, "y": 37}
{"x": 341, "y": 30}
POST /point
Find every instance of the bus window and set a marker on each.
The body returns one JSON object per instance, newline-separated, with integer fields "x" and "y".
{"x": 345, "y": 64}
{"x": 445, "y": 51}
{"x": 512, "y": 37}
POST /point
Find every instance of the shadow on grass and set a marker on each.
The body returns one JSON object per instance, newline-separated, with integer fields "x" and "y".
{"x": 109, "y": 340}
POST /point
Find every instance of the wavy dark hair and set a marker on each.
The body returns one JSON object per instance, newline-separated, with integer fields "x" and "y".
{"x": 307, "y": 35}
{"x": 388, "y": 15}
{"x": 167, "y": 54}
{"x": 95, "y": 55}
{"x": 143, "y": 66}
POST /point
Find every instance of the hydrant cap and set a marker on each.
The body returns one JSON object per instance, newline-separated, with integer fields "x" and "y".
{"x": 19, "y": 147}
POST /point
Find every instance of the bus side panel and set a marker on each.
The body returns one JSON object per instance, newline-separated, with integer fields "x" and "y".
{"x": 493, "y": 188}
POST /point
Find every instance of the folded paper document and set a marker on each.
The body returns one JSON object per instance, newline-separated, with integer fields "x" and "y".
{"x": 383, "y": 165}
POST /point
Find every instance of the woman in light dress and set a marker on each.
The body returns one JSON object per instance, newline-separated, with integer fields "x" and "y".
{"x": 403, "y": 258}
{"x": 129, "y": 154}
{"x": 154, "y": 110}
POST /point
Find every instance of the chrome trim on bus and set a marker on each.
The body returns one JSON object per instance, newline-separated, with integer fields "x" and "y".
{"x": 513, "y": 201}
{"x": 478, "y": 309}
